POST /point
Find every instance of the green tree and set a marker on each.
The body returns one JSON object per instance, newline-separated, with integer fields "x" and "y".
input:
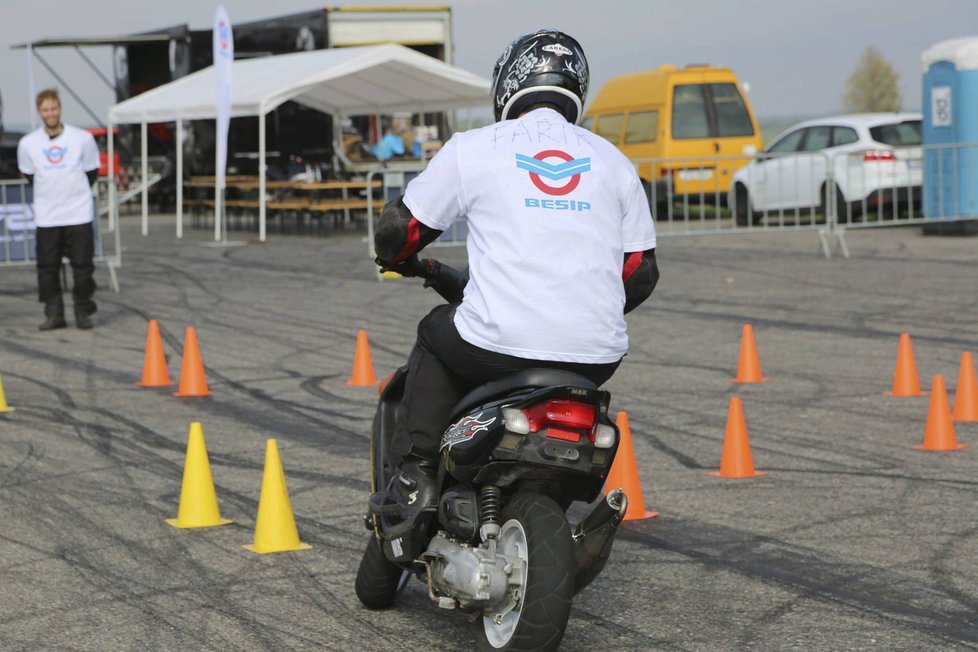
{"x": 873, "y": 85}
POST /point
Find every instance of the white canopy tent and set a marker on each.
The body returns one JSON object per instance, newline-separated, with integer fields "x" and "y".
{"x": 342, "y": 82}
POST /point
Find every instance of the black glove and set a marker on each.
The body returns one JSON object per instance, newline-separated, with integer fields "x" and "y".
{"x": 446, "y": 280}
{"x": 409, "y": 267}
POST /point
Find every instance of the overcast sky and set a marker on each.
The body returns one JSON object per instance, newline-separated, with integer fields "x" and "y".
{"x": 794, "y": 54}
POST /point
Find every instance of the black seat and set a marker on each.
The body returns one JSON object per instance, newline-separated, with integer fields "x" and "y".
{"x": 526, "y": 379}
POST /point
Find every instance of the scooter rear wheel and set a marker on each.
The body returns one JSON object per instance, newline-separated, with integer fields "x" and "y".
{"x": 535, "y": 530}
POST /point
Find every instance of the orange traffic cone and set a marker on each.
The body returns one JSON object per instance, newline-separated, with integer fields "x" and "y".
{"x": 966, "y": 395}
{"x": 154, "y": 361}
{"x": 736, "y": 460}
{"x": 749, "y": 366}
{"x": 905, "y": 380}
{"x": 363, "y": 366}
{"x": 939, "y": 432}
{"x": 624, "y": 473}
{"x": 193, "y": 382}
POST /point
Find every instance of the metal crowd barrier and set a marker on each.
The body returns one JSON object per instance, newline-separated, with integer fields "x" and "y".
{"x": 18, "y": 244}
{"x": 829, "y": 192}
{"x": 698, "y": 196}
{"x": 938, "y": 191}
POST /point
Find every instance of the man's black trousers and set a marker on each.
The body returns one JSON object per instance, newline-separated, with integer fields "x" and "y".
{"x": 77, "y": 243}
{"x": 443, "y": 368}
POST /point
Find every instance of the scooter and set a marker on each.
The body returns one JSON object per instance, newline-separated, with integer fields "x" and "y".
{"x": 498, "y": 546}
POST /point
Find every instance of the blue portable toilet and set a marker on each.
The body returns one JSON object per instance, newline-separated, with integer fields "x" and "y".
{"x": 950, "y": 130}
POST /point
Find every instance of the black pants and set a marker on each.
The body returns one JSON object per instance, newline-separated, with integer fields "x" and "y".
{"x": 443, "y": 368}
{"x": 77, "y": 243}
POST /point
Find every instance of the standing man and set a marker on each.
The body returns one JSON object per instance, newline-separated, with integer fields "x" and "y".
{"x": 62, "y": 162}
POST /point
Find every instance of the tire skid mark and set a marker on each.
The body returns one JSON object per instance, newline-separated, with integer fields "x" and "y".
{"x": 753, "y": 636}
{"x": 947, "y": 577}
{"x": 885, "y": 474}
{"x": 124, "y": 588}
{"x": 127, "y": 452}
{"x": 260, "y": 395}
{"x": 807, "y": 327}
{"x": 313, "y": 387}
{"x": 340, "y": 330}
{"x": 860, "y": 457}
{"x": 880, "y": 592}
{"x": 351, "y": 619}
{"x": 64, "y": 398}
{"x": 121, "y": 586}
{"x": 30, "y": 454}
{"x": 637, "y": 639}
{"x": 720, "y": 260}
{"x": 311, "y": 430}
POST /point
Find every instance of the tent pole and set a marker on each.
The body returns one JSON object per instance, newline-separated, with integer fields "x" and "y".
{"x": 112, "y": 172}
{"x": 262, "y": 170}
{"x": 179, "y": 178}
{"x": 145, "y": 173}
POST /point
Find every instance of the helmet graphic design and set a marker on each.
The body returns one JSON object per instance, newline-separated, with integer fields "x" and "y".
{"x": 546, "y": 66}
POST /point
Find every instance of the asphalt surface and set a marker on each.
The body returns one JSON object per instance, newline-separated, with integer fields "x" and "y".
{"x": 853, "y": 541}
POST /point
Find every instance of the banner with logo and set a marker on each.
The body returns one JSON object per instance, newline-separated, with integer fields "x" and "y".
{"x": 223, "y": 58}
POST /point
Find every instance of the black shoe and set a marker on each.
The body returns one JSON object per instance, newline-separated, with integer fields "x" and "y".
{"x": 83, "y": 321}
{"x": 52, "y": 322}
{"x": 415, "y": 487}
{"x": 404, "y": 510}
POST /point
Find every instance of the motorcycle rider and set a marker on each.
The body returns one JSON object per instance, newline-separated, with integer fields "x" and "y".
{"x": 561, "y": 244}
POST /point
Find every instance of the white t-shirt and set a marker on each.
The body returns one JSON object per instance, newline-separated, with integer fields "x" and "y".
{"x": 551, "y": 209}
{"x": 62, "y": 196}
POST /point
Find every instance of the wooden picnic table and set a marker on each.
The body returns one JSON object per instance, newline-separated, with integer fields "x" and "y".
{"x": 302, "y": 200}
{"x": 208, "y": 182}
{"x": 252, "y": 183}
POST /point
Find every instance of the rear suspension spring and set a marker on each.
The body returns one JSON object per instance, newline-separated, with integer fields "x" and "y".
{"x": 490, "y": 500}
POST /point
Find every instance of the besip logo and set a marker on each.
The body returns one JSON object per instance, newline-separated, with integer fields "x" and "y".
{"x": 538, "y": 166}
{"x": 55, "y": 154}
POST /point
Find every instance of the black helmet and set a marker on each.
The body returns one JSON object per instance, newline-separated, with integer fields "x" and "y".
{"x": 546, "y": 66}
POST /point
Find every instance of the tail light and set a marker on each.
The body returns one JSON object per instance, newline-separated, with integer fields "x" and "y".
{"x": 665, "y": 172}
{"x": 558, "y": 416}
{"x": 562, "y": 413}
{"x": 568, "y": 414}
{"x": 879, "y": 155}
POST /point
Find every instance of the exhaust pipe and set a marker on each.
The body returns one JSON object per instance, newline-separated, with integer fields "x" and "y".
{"x": 594, "y": 536}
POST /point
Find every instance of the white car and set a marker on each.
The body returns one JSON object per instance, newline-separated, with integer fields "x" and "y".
{"x": 875, "y": 159}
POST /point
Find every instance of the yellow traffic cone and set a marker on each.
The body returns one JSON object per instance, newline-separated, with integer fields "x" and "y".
{"x": 198, "y": 501}
{"x": 275, "y": 529}
{"x": 3, "y": 400}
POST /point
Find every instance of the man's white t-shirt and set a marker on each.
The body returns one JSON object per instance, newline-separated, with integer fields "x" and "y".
{"x": 62, "y": 196}
{"x": 551, "y": 210}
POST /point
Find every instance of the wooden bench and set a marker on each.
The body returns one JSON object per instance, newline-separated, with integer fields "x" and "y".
{"x": 288, "y": 204}
{"x": 327, "y": 205}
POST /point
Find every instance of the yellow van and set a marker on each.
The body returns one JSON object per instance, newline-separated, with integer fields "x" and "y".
{"x": 686, "y": 119}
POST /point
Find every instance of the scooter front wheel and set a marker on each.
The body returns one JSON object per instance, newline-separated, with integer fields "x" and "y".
{"x": 535, "y": 531}
{"x": 378, "y": 580}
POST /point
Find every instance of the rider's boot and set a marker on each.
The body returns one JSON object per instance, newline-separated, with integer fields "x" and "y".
{"x": 407, "y": 506}
{"x": 416, "y": 485}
